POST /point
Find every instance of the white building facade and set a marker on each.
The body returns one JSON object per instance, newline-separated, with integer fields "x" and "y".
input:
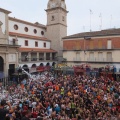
{"x": 35, "y": 49}
{"x": 32, "y": 44}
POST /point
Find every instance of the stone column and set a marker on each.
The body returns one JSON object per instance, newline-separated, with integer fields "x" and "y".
{"x": 50, "y": 56}
{"x": 6, "y": 65}
{"x": 20, "y": 57}
{"x": 29, "y": 56}
{"x": 44, "y": 56}
{"x": 17, "y": 60}
{"x": 38, "y": 56}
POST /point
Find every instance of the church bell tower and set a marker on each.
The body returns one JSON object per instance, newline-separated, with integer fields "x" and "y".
{"x": 56, "y": 24}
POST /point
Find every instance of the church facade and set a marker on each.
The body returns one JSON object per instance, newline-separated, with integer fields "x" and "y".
{"x": 25, "y": 44}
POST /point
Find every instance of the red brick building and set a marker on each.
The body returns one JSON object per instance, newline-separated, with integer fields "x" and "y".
{"x": 98, "y": 48}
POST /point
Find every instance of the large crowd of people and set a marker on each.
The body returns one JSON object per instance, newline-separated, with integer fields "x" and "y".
{"x": 63, "y": 98}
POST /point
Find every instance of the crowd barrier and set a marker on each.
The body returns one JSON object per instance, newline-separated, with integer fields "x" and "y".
{"x": 4, "y": 82}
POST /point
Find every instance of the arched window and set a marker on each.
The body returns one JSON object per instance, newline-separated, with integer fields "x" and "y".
{"x": 42, "y": 32}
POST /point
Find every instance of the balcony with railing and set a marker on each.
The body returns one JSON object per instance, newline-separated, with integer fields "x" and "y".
{"x": 37, "y": 59}
{"x": 30, "y": 57}
{"x": 76, "y": 48}
{"x": 34, "y": 56}
{"x": 24, "y": 59}
{"x": 104, "y": 47}
{"x": 76, "y": 59}
{"x": 96, "y": 48}
{"x": 100, "y": 60}
{"x": 13, "y": 42}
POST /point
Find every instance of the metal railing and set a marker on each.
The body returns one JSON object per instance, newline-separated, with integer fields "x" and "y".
{"x": 76, "y": 59}
{"x": 13, "y": 43}
{"x": 6, "y": 82}
{"x": 100, "y": 47}
{"x": 100, "y": 59}
{"x": 36, "y": 59}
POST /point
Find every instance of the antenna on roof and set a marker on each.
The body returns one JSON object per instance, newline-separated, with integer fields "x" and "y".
{"x": 90, "y": 19}
{"x": 84, "y": 28}
{"x": 100, "y": 16}
{"x": 110, "y": 20}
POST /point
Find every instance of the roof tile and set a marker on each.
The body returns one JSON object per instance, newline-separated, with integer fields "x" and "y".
{"x": 27, "y": 36}
{"x": 106, "y": 32}
{"x": 22, "y": 49}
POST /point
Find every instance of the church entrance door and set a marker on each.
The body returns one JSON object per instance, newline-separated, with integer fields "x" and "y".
{"x": 1, "y": 64}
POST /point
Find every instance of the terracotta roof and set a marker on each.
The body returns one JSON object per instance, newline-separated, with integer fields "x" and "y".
{"x": 107, "y": 32}
{"x": 22, "y": 49}
{"x": 29, "y": 23}
{"x": 5, "y": 11}
{"x": 28, "y": 36}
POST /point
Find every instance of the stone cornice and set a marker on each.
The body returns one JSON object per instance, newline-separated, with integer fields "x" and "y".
{"x": 57, "y": 24}
{"x": 47, "y": 10}
{"x": 5, "y": 11}
{"x": 26, "y": 22}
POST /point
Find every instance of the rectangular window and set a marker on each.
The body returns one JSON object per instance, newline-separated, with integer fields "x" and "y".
{"x": 26, "y": 42}
{"x": 91, "y": 56}
{"x": 44, "y": 44}
{"x": 109, "y": 56}
{"x": 100, "y": 56}
{"x": 53, "y": 18}
{"x": 109, "y": 44}
{"x": 91, "y": 44}
{"x": 100, "y": 44}
{"x": 77, "y": 45}
{"x": 36, "y": 44}
{"x": 77, "y": 56}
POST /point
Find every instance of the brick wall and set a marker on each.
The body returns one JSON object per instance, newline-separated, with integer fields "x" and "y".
{"x": 80, "y": 43}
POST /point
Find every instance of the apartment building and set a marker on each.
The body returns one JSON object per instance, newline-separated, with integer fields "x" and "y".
{"x": 97, "y": 48}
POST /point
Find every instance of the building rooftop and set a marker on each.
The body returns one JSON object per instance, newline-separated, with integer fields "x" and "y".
{"x": 23, "y": 49}
{"x": 5, "y": 11}
{"x": 107, "y": 32}
{"x": 28, "y": 36}
{"x": 28, "y": 23}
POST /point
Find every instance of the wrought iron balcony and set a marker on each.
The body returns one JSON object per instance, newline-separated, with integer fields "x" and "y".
{"x": 76, "y": 59}
{"x": 37, "y": 59}
{"x": 100, "y": 59}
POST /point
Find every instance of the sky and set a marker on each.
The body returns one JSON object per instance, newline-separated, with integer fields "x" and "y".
{"x": 99, "y": 14}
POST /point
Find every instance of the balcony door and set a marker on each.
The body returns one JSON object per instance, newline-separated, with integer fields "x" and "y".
{"x": 1, "y": 64}
{"x": 100, "y": 44}
{"x": 109, "y": 44}
{"x": 92, "y": 56}
{"x": 77, "y": 56}
{"x": 100, "y": 56}
{"x": 109, "y": 56}
{"x": 1, "y": 67}
{"x": 91, "y": 44}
